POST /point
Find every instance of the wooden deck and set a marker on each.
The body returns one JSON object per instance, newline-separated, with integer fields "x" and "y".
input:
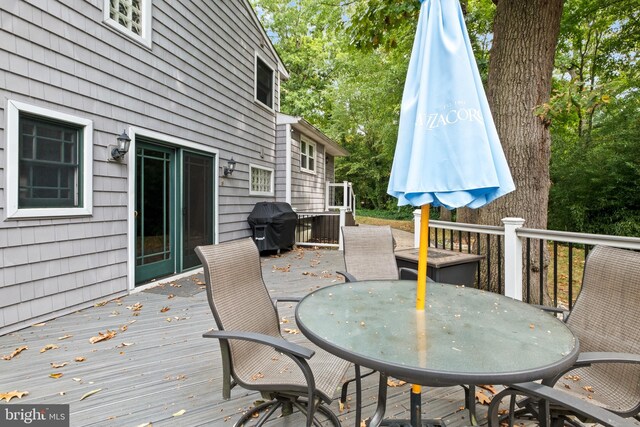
{"x": 158, "y": 369}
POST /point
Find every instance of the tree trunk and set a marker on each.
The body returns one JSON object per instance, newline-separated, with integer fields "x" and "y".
{"x": 520, "y": 67}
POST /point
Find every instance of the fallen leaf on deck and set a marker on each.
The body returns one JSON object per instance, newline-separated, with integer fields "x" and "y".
{"x": 145, "y": 425}
{"x": 392, "y": 382}
{"x": 170, "y": 296}
{"x": 588, "y": 388}
{"x": 100, "y": 304}
{"x": 56, "y": 375}
{"x": 532, "y": 326}
{"x": 572, "y": 377}
{"x": 39, "y": 324}
{"x": 16, "y": 352}
{"x": 59, "y": 365}
{"x": 102, "y": 337}
{"x": 12, "y": 394}
{"x": 124, "y": 344}
{"x": 490, "y": 388}
{"x": 284, "y": 320}
{"x": 64, "y": 337}
{"x": 291, "y": 331}
{"x": 79, "y": 359}
{"x": 482, "y": 398}
{"x": 123, "y": 328}
{"x": 48, "y": 347}
{"x": 175, "y": 285}
{"x": 180, "y": 412}
{"x": 77, "y": 379}
{"x": 257, "y": 376}
{"x": 135, "y": 307}
{"x": 164, "y": 309}
{"x": 91, "y": 393}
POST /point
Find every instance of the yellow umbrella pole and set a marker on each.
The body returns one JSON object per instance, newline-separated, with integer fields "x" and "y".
{"x": 421, "y": 293}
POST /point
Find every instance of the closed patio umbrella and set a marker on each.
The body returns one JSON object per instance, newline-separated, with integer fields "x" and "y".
{"x": 448, "y": 152}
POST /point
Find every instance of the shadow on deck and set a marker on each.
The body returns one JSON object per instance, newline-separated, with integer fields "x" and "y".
{"x": 158, "y": 370}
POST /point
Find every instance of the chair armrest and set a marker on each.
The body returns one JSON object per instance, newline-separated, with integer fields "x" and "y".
{"x": 277, "y": 343}
{"x": 575, "y": 404}
{"x": 347, "y": 277}
{"x": 588, "y": 358}
{"x": 276, "y": 300}
{"x": 408, "y": 273}
{"x": 555, "y": 310}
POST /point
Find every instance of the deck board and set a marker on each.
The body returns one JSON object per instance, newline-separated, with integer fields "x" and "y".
{"x": 167, "y": 366}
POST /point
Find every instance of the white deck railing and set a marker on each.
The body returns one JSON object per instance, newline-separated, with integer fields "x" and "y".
{"x": 339, "y": 196}
{"x": 514, "y": 235}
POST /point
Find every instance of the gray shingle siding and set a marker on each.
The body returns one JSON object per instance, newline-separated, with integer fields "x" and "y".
{"x": 196, "y": 83}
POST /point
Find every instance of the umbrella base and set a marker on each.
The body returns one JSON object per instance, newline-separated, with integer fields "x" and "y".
{"x": 407, "y": 423}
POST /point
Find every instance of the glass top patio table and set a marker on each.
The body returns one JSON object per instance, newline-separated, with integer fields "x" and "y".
{"x": 464, "y": 335}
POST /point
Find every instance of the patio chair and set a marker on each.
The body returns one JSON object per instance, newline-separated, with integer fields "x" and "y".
{"x": 253, "y": 350}
{"x": 606, "y": 321}
{"x": 368, "y": 255}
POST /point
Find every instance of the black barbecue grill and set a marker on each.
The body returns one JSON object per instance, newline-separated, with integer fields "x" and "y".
{"x": 273, "y": 225}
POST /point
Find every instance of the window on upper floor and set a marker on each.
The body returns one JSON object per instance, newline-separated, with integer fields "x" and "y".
{"x": 261, "y": 180}
{"x": 132, "y": 17}
{"x": 307, "y": 155}
{"x": 49, "y": 163}
{"x": 264, "y": 83}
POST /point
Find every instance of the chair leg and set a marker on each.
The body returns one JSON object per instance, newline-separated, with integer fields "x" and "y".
{"x": 470, "y": 395}
{"x": 319, "y": 408}
{"x": 271, "y": 407}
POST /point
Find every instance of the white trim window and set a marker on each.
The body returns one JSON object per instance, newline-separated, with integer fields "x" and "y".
{"x": 307, "y": 155}
{"x": 132, "y": 17}
{"x": 264, "y": 83}
{"x": 49, "y": 163}
{"x": 260, "y": 181}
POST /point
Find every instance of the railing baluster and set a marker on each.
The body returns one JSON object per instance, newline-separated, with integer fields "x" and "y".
{"x": 541, "y": 270}
{"x": 570, "y": 275}
{"x": 500, "y": 286}
{"x": 528, "y": 281}
{"x": 488, "y": 262}
{"x": 555, "y": 273}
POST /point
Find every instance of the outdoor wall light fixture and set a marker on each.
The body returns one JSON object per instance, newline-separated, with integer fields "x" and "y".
{"x": 117, "y": 152}
{"x": 228, "y": 170}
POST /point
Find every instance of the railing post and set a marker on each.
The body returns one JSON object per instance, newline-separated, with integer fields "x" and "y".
{"x": 345, "y": 194}
{"x": 512, "y": 258}
{"x": 416, "y": 228}
{"x": 343, "y": 222}
{"x": 326, "y": 195}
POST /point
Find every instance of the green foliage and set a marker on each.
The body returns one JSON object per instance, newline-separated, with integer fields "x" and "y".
{"x": 595, "y": 116}
{"x": 404, "y": 213}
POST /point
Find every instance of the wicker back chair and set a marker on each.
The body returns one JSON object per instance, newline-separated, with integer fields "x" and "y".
{"x": 606, "y": 320}
{"x": 368, "y": 254}
{"x": 248, "y": 327}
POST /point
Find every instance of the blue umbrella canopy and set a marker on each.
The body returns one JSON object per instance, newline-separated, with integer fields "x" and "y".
{"x": 448, "y": 151}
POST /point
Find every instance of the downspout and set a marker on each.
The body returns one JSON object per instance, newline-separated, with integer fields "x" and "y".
{"x": 287, "y": 185}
